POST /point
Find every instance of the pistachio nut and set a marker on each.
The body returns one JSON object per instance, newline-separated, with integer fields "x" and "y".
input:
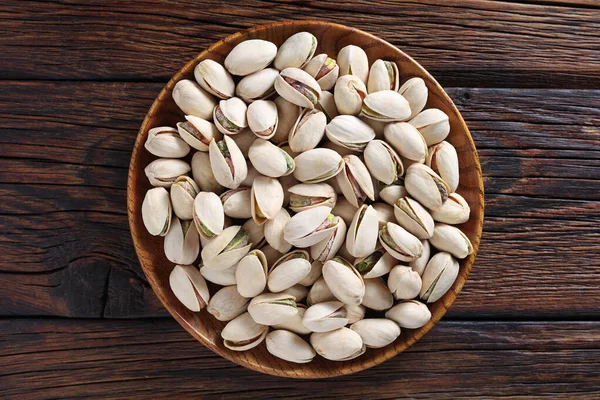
{"x": 455, "y": 210}
{"x": 413, "y": 217}
{"x": 214, "y": 78}
{"x": 404, "y": 283}
{"x": 324, "y": 69}
{"x": 325, "y": 317}
{"x": 414, "y": 91}
{"x": 433, "y": 124}
{"x": 385, "y": 213}
{"x": 164, "y": 172}
{"x": 198, "y": 132}
{"x": 409, "y": 314}
{"x": 361, "y": 239}
{"x": 237, "y": 203}
{"x": 355, "y": 313}
{"x": 262, "y": 118}
{"x": 377, "y": 295}
{"x": 377, "y": 126}
{"x": 383, "y": 162}
{"x": 270, "y": 160}
{"x": 310, "y": 227}
{"x": 308, "y": 130}
{"x": 406, "y": 140}
{"x": 183, "y": 193}
{"x": 203, "y": 175}
{"x": 298, "y": 87}
{"x": 327, "y": 248}
{"x": 298, "y": 291}
{"x": 439, "y": 276}
{"x": 224, "y": 277}
{"x": 290, "y": 269}
{"x": 156, "y": 211}
{"x": 316, "y": 268}
{"x": 227, "y": 304}
{"x": 383, "y": 75}
{"x": 273, "y": 308}
{"x": 266, "y": 199}
{"x": 259, "y": 85}
{"x": 164, "y": 141}
{"x": 227, "y": 162}
{"x": 304, "y": 196}
{"x": 348, "y": 94}
{"x": 327, "y": 105}
{"x": 344, "y": 281}
{"x": 242, "y": 333}
{"x": 401, "y": 244}
{"x": 289, "y": 347}
{"x": 425, "y": 186}
{"x": 354, "y": 61}
{"x": 385, "y": 105}
{"x": 344, "y": 210}
{"x": 451, "y": 239}
{"x": 342, "y": 344}
{"x": 443, "y": 160}
{"x": 274, "y": 229}
{"x": 182, "y": 243}
{"x": 296, "y": 51}
{"x": 256, "y": 233}
{"x": 208, "y": 214}
{"x": 251, "y": 274}
{"x": 250, "y": 56}
{"x": 355, "y": 181}
{"x": 230, "y": 116}
{"x": 189, "y": 287}
{"x": 244, "y": 140}
{"x": 319, "y": 293}
{"x": 193, "y": 100}
{"x": 317, "y": 165}
{"x": 349, "y": 132}
{"x": 420, "y": 262}
{"x": 288, "y": 115}
{"x": 392, "y": 193}
{"x": 376, "y": 264}
{"x": 376, "y": 332}
{"x": 295, "y": 323}
{"x": 227, "y": 249}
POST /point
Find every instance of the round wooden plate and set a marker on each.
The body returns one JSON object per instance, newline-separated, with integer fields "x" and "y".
{"x": 332, "y": 37}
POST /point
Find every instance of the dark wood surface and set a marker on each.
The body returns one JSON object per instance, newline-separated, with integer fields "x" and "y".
{"x": 77, "y": 79}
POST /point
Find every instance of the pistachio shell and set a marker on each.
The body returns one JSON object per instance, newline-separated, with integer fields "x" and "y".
{"x": 420, "y": 262}
{"x": 376, "y": 332}
{"x": 348, "y": 93}
{"x": 406, "y": 140}
{"x": 425, "y": 186}
{"x": 344, "y": 210}
{"x": 324, "y": 69}
{"x": 455, "y": 210}
{"x": 250, "y": 56}
{"x": 344, "y": 281}
{"x": 327, "y": 248}
{"x": 198, "y": 132}
{"x": 439, "y": 276}
{"x": 164, "y": 141}
{"x": 208, "y": 214}
{"x": 230, "y": 116}
{"x": 274, "y": 229}
{"x": 189, "y": 287}
{"x": 404, "y": 283}
{"x": 385, "y": 213}
{"x": 317, "y": 165}
{"x": 271, "y": 254}
{"x": 385, "y": 105}
{"x": 272, "y": 308}
{"x": 377, "y": 295}
{"x": 411, "y": 314}
{"x": 215, "y": 79}
{"x": 262, "y": 118}
{"x": 308, "y": 130}
{"x": 353, "y": 61}
{"x": 355, "y": 313}
{"x": 443, "y": 160}
{"x": 325, "y": 317}
{"x": 309, "y": 227}
{"x": 413, "y": 217}
{"x": 226, "y": 249}
{"x": 376, "y": 264}
{"x": 392, "y": 193}
{"x": 237, "y": 203}
{"x": 251, "y": 274}
{"x": 327, "y": 105}
{"x": 361, "y": 239}
{"x": 355, "y": 181}
{"x": 164, "y": 172}
{"x": 182, "y": 243}
{"x": 288, "y": 114}
{"x": 256, "y": 233}
{"x": 227, "y": 162}
{"x": 298, "y": 291}
{"x": 203, "y": 175}
{"x": 290, "y": 269}
{"x": 242, "y": 333}
{"x": 316, "y": 268}
{"x": 295, "y": 323}
{"x": 266, "y": 199}
{"x": 193, "y": 100}
{"x": 224, "y": 277}
{"x": 257, "y": 86}
{"x": 349, "y": 132}
{"x": 183, "y": 192}
{"x": 342, "y": 344}
{"x": 383, "y": 162}
{"x": 296, "y": 51}
{"x": 414, "y": 91}
{"x": 227, "y": 304}
{"x": 451, "y": 239}
{"x": 319, "y": 293}
{"x": 383, "y": 75}
{"x": 244, "y": 140}
{"x": 156, "y": 211}
{"x": 305, "y": 196}
{"x": 290, "y": 347}
{"x": 269, "y": 159}
{"x": 433, "y": 124}
{"x": 377, "y": 126}
{"x": 401, "y": 244}
{"x": 298, "y": 87}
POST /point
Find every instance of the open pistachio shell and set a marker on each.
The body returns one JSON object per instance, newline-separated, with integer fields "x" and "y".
{"x": 355, "y": 313}
{"x": 308, "y": 130}
{"x": 203, "y": 174}
{"x": 237, "y": 203}
{"x": 415, "y": 92}
{"x": 353, "y": 61}
{"x": 348, "y": 94}
{"x": 349, "y": 132}
{"x": 214, "y": 78}
{"x": 290, "y": 347}
{"x": 230, "y": 116}
{"x": 342, "y": 344}
{"x": 296, "y": 51}
{"x": 327, "y": 105}
{"x": 406, "y": 140}
{"x": 377, "y": 295}
{"x": 383, "y": 162}
{"x": 295, "y": 323}
{"x": 164, "y": 141}
{"x": 288, "y": 115}
{"x": 227, "y": 249}
{"x": 383, "y": 75}
{"x": 305, "y": 196}
{"x": 224, "y": 277}
{"x": 208, "y": 214}
{"x": 193, "y": 100}
{"x": 251, "y": 274}
{"x": 257, "y": 86}
{"x": 242, "y": 333}
{"x": 298, "y": 291}
{"x": 256, "y": 233}
{"x": 355, "y": 181}
{"x": 164, "y": 172}
{"x": 189, "y": 287}
{"x": 443, "y": 159}
{"x": 325, "y": 317}
{"x": 290, "y": 269}
{"x": 316, "y": 268}
{"x": 227, "y": 162}
{"x": 410, "y": 314}
{"x": 401, "y": 244}
{"x": 298, "y": 87}
{"x": 344, "y": 281}
{"x": 250, "y": 56}
{"x": 227, "y": 304}
{"x": 413, "y": 217}
{"x": 361, "y": 239}
{"x": 274, "y": 229}
{"x": 327, "y": 248}
{"x": 404, "y": 283}
{"x": 451, "y": 239}
{"x": 273, "y": 308}
{"x": 376, "y": 332}
{"x": 324, "y": 69}
{"x": 309, "y": 227}
{"x": 319, "y": 293}
{"x": 433, "y": 124}
{"x": 270, "y": 160}
{"x": 198, "y": 132}
{"x": 385, "y": 105}
{"x": 425, "y": 186}
{"x": 266, "y": 199}
{"x": 183, "y": 193}
{"x": 439, "y": 276}
{"x": 455, "y": 210}
{"x": 182, "y": 243}
{"x": 385, "y": 213}
{"x": 317, "y": 165}
{"x": 157, "y": 211}
{"x": 262, "y": 118}
{"x": 392, "y": 193}
{"x": 419, "y": 263}
{"x": 376, "y": 264}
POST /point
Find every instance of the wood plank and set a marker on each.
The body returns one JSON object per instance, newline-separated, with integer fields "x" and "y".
{"x": 94, "y": 359}
{"x": 64, "y": 171}
{"x": 463, "y": 43}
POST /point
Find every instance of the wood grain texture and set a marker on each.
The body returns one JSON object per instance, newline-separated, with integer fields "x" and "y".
{"x": 42, "y": 359}
{"x": 462, "y": 43}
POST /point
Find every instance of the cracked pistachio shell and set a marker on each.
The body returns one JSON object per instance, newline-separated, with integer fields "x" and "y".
{"x": 316, "y": 268}
{"x": 298, "y": 87}
{"x": 242, "y": 333}
{"x": 400, "y": 243}
{"x": 406, "y": 140}
{"x": 296, "y": 51}
{"x": 250, "y": 56}
{"x": 298, "y": 291}
{"x": 204, "y": 240}
{"x": 273, "y": 308}
{"x": 413, "y": 217}
{"x": 270, "y": 160}
{"x": 325, "y": 317}
{"x": 227, "y": 249}
{"x": 227, "y": 162}
{"x": 353, "y": 61}
{"x": 344, "y": 281}
{"x": 433, "y": 124}
{"x": 344, "y": 210}
{"x": 208, "y": 214}
{"x": 324, "y": 69}
{"x": 290, "y": 347}
{"x": 251, "y": 274}
{"x": 266, "y": 199}
{"x": 376, "y": 332}
{"x": 182, "y": 243}
{"x": 420, "y": 262}
{"x": 383, "y": 75}
{"x": 342, "y": 344}
{"x": 274, "y": 231}
{"x": 308, "y": 130}
{"x": 198, "y": 132}
{"x": 227, "y": 304}
{"x": 189, "y": 287}
{"x": 256, "y": 233}
{"x": 304, "y": 196}
{"x": 319, "y": 293}
{"x": 439, "y": 276}
{"x": 288, "y": 114}
{"x": 262, "y": 118}
{"x": 455, "y": 210}
{"x": 410, "y": 314}
{"x": 355, "y": 181}
{"x": 237, "y": 203}
{"x": 349, "y": 132}
{"x": 385, "y": 213}
{"x": 309, "y": 227}
{"x": 425, "y": 186}
{"x": 376, "y": 264}
{"x": 230, "y": 116}
{"x": 404, "y": 283}
{"x": 193, "y": 100}
{"x": 164, "y": 172}
{"x": 327, "y": 105}
{"x": 327, "y": 248}
{"x": 415, "y": 92}
{"x": 361, "y": 239}
{"x": 164, "y": 141}
{"x": 392, "y": 193}
{"x": 225, "y": 277}
{"x": 385, "y": 105}
{"x": 290, "y": 269}
{"x": 257, "y": 86}
{"x": 355, "y": 313}
{"x": 295, "y": 323}
{"x": 377, "y": 295}
{"x": 183, "y": 193}
{"x": 214, "y": 78}
{"x": 157, "y": 211}
{"x": 443, "y": 160}
{"x": 203, "y": 175}
{"x": 383, "y": 162}
{"x": 317, "y": 165}
{"x": 348, "y": 94}
{"x": 451, "y": 239}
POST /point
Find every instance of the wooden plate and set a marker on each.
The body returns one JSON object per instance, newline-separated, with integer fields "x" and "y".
{"x": 205, "y": 328}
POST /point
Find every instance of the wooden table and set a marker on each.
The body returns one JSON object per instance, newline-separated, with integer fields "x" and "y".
{"x": 77, "y": 315}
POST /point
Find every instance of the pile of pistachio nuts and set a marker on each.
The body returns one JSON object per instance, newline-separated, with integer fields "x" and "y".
{"x": 321, "y": 200}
